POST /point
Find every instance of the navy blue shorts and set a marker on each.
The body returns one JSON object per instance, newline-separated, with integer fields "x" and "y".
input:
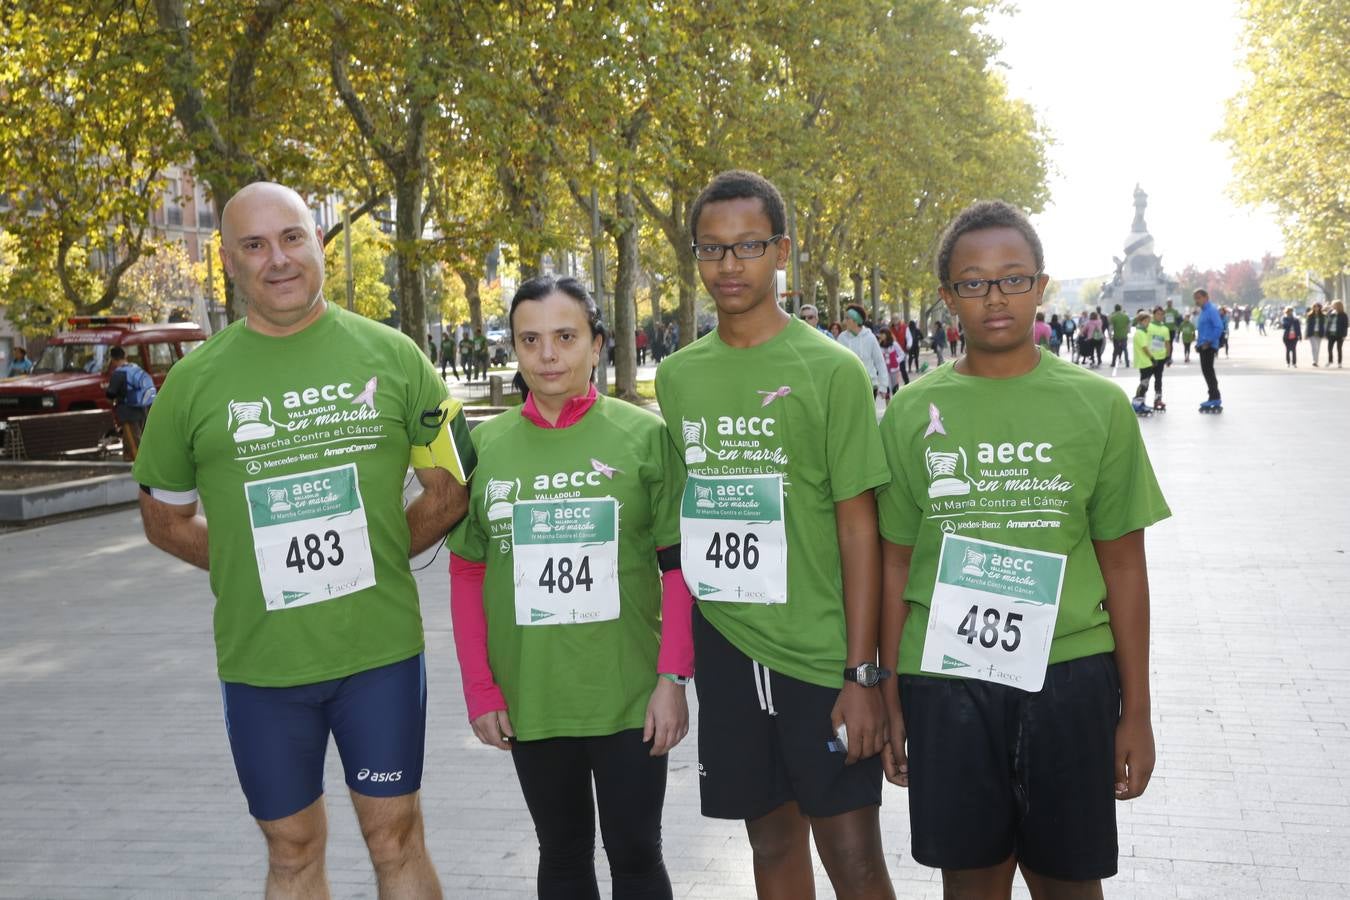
{"x": 279, "y": 736}
{"x": 996, "y": 771}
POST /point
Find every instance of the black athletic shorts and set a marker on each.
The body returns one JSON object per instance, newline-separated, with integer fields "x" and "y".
{"x": 995, "y": 770}
{"x": 765, "y": 738}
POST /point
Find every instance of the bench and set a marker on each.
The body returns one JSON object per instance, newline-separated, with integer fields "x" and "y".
{"x": 60, "y": 435}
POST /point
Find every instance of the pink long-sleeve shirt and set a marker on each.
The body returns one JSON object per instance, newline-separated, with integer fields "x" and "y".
{"x": 481, "y": 693}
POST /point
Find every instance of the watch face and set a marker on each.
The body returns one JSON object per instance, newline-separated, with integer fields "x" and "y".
{"x": 867, "y": 675}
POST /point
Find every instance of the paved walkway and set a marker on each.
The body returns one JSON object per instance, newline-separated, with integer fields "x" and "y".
{"x": 116, "y": 780}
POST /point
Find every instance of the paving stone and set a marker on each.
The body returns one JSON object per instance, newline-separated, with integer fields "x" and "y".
{"x": 116, "y": 780}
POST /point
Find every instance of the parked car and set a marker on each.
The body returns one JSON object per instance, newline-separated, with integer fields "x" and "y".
{"x": 72, "y": 372}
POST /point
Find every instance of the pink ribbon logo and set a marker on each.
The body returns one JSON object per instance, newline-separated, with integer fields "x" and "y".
{"x": 770, "y": 396}
{"x": 607, "y": 471}
{"x": 934, "y": 422}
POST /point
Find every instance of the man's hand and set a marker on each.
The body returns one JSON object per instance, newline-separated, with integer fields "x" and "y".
{"x": 860, "y": 710}
{"x": 435, "y": 511}
{"x": 667, "y": 719}
{"x": 494, "y": 728}
{"x": 1135, "y": 755}
{"x": 176, "y": 529}
{"x": 894, "y": 756}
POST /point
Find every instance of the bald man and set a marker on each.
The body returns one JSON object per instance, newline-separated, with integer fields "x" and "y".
{"x": 294, "y": 428}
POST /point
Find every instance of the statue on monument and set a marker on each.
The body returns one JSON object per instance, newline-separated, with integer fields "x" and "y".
{"x": 1140, "y": 201}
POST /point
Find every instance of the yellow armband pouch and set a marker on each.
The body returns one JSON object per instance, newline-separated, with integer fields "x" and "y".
{"x": 451, "y": 449}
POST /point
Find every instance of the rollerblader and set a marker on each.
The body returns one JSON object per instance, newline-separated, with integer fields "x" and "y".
{"x": 1150, "y": 357}
{"x": 1208, "y": 333}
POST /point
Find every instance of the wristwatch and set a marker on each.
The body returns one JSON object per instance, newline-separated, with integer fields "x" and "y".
{"x": 867, "y": 674}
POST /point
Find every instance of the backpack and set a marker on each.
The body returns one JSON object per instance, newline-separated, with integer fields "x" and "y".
{"x": 140, "y": 389}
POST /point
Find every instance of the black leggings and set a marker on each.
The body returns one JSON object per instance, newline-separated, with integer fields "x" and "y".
{"x": 630, "y": 789}
{"x": 1155, "y": 372}
{"x": 1290, "y": 351}
{"x": 1336, "y": 345}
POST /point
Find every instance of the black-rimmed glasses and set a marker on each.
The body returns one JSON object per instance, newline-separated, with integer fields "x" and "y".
{"x": 740, "y": 249}
{"x": 975, "y": 288}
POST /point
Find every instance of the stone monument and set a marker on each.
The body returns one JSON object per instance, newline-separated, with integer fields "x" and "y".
{"x": 1139, "y": 281}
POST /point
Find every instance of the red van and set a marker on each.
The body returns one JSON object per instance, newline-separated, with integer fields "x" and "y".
{"x": 72, "y": 372}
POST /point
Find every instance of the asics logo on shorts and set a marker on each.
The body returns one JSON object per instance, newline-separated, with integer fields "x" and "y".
{"x": 379, "y": 777}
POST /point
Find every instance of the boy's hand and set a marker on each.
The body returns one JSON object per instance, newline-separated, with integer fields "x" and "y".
{"x": 1135, "y": 755}
{"x": 860, "y": 710}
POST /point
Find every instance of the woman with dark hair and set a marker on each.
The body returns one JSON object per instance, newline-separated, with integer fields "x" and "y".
{"x": 1316, "y": 330}
{"x": 1336, "y": 327}
{"x": 890, "y": 352}
{"x": 939, "y": 339}
{"x": 571, "y": 616}
{"x": 1293, "y": 333}
{"x": 914, "y": 345}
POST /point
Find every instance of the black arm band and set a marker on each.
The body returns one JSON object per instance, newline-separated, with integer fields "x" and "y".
{"x": 668, "y": 558}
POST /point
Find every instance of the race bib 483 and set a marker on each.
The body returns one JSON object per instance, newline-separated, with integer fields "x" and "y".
{"x": 309, "y": 537}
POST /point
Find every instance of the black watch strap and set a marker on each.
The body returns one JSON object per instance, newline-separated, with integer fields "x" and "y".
{"x": 860, "y": 675}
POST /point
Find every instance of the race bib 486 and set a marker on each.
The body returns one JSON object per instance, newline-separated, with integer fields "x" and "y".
{"x": 733, "y": 543}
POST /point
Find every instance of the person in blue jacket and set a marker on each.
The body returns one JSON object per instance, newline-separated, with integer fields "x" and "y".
{"x": 1208, "y": 334}
{"x": 21, "y": 365}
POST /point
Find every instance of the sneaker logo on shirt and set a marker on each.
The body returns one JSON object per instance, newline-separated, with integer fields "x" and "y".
{"x": 944, "y": 479}
{"x": 770, "y": 396}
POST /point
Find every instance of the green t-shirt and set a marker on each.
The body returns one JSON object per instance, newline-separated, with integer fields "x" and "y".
{"x": 1120, "y": 326}
{"x": 1143, "y": 359}
{"x": 1160, "y": 338}
{"x": 1187, "y": 331}
{"x": 591, "y": 675}
{"x": 798, "y": 406}
{"x": 1172, "y": 318}
{"x": 1050, "y": 460}
{"x": 298, "y": 447}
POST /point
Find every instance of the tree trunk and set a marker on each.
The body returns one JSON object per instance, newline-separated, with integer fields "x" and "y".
{"x": 831, "y": 277}
{"x": 527, "y": 202}
{"x": 904, "y": 304}
{"x": 625, "y": 310}
{"x": 676, "y": 229}
{"x": 411, "y": 298}
{"x": 876, "y": 292}
{"x": 685, "y": 317}
{"x": 220, "y": 163}
{"x": 656, "y": 303}
{"x": 475, "y": 299}
{"x": 857, "y": 280}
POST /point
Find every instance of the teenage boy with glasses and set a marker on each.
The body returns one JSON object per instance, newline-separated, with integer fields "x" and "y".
{"x": 777, "y": 427}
